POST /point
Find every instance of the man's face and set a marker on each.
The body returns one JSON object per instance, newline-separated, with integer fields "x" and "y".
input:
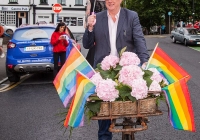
{"x": 113, "y": 5}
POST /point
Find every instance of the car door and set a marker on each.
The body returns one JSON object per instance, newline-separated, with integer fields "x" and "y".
{"x": 177, "y": 36}
{"x": 181, "y": 35}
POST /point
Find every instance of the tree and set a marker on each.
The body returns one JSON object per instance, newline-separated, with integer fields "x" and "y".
{"x": 153, "y": 12}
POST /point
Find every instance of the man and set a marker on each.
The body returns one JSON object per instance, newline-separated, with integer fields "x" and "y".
{"x": 99, "y": 6}
{"x": 112, "y": 30}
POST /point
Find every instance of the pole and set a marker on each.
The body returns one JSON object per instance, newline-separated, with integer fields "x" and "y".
{"x": 169, "y": 24}
{"x": 193, "y": 12}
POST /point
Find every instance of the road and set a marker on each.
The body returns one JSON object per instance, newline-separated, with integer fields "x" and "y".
{"x": 30, "y": 110}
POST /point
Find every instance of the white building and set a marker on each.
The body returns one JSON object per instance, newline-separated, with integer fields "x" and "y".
{"x": 17, "y": 12}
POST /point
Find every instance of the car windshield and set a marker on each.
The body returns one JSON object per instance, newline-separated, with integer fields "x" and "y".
{"x": 34, "y": 33}
{"x": 192, "y": 31}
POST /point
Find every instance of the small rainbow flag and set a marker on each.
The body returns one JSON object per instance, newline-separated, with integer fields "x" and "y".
{"x": 166, "y": 66}
{"x": 75, "y": 114}
{"x": 180, "y": 107}
{"x": 65, "y": 82}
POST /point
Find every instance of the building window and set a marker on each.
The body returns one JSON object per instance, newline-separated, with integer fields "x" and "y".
{"x": 43, "y": 1}
{"x": 2, "y": 17}
{"x": 62, "y": 2}
{"x": 13, "y": 1}
{"x": 11, "y": 18}
{"x": 79, "y": 2}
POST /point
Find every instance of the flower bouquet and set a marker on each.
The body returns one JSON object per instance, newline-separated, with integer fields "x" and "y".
{"x": 121, "y": 82}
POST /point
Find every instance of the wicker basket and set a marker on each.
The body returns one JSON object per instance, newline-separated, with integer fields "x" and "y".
{"x": 104, "y": 109}
{"x": 124, "y": 108}
{"x": 118, "y": 108}
{"x": 147, "y": 105}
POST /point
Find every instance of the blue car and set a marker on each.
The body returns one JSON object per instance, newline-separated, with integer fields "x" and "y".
{"x": 29, "y": 51}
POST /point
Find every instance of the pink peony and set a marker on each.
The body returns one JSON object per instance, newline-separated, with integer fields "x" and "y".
{"x": 129, "y": 73}
{"x": 96, "y": 78}
{"x": 139, "y": 89}
{"x": 129, "y": 58}
{"x": 106, "y": 90}
{"x": 109, "y": 61}
{"x": 154, "y": 86}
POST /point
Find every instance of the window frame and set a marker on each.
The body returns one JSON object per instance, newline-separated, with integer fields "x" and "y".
{"x": 77, "y": 3}
{"x": 13, "y": 2}
{"x": 60, "y": 2}
{"x": 44, "y": 3}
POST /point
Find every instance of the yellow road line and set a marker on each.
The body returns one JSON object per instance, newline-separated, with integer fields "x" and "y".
{"x": 6, "y": 86}
{"x": 12, "y": 85}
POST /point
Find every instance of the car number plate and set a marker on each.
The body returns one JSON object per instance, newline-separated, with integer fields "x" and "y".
{"x": 36, "y": 48}
{"x": 198, "y": 42}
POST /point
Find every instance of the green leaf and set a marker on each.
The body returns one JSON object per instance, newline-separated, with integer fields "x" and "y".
{"x": 124, "y": 91}
{"x": 99, "y": 66}
{"x": 121, "y": 52}
{"x": 104, "y": 74}
{"x": 130, "y": 97}
{"x": 94, "y": 106}
{"x": 147, "y": 73}
{"x": 94, "y": 98}
{"x": 118, "y": 68}
{"x": 147, "y": 77}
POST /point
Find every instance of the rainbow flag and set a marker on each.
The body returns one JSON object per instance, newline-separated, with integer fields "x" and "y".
{"x": 65, "y": 82}
{"x": 75, "y": 114}
{"x": 166, "y": 66}
{"x": 180, "y": 107}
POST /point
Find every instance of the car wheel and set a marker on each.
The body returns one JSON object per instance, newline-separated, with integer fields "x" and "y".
{"x": 12, "y": 76}
{"x": 174, "y": 40}
{"x": 9, "y": 31}
{"x": 185, "y": 42}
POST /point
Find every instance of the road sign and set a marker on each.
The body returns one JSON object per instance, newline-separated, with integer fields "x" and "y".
{"x": 169, "y": 13}
{"x": 57, "y": 8}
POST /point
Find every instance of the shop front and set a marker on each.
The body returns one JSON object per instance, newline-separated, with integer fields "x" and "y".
{"x": 14, "y": 15}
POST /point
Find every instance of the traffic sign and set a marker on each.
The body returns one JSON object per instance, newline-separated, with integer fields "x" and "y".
{"x": 57, "y": 8}
{"x": 169, "y": 13}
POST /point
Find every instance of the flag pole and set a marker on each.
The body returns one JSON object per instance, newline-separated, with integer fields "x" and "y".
{"x": 151, "y": 56}
{"x": 83, "y": 56}
{"x": 93, "y": 7}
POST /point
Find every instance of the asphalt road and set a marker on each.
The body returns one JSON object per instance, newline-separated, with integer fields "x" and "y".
{"x": 29, "y": 110}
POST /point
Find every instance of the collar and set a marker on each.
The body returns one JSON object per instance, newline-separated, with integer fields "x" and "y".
{"x": 117, "y": 15}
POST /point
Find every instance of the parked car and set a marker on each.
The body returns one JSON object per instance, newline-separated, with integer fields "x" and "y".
{"x": 8, "y": 29}
{"x": 186, "y": 35}
{"x": 30, "y": 51}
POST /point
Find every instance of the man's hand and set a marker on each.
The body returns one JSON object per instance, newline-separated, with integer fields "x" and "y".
{"x": 91, "y": 22}
{"x": 144, "y": 65}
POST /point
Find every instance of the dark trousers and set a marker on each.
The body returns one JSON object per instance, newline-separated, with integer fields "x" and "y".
{"x": 56, "y": 57}
{"x": 103, "y": 133}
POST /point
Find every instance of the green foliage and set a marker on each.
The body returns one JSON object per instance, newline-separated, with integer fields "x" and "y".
{"x": 153, "y": 12}
{"x": 147, "y": 77}
{"x": 111, "y": 74}
{"x": 124, "y": 93}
